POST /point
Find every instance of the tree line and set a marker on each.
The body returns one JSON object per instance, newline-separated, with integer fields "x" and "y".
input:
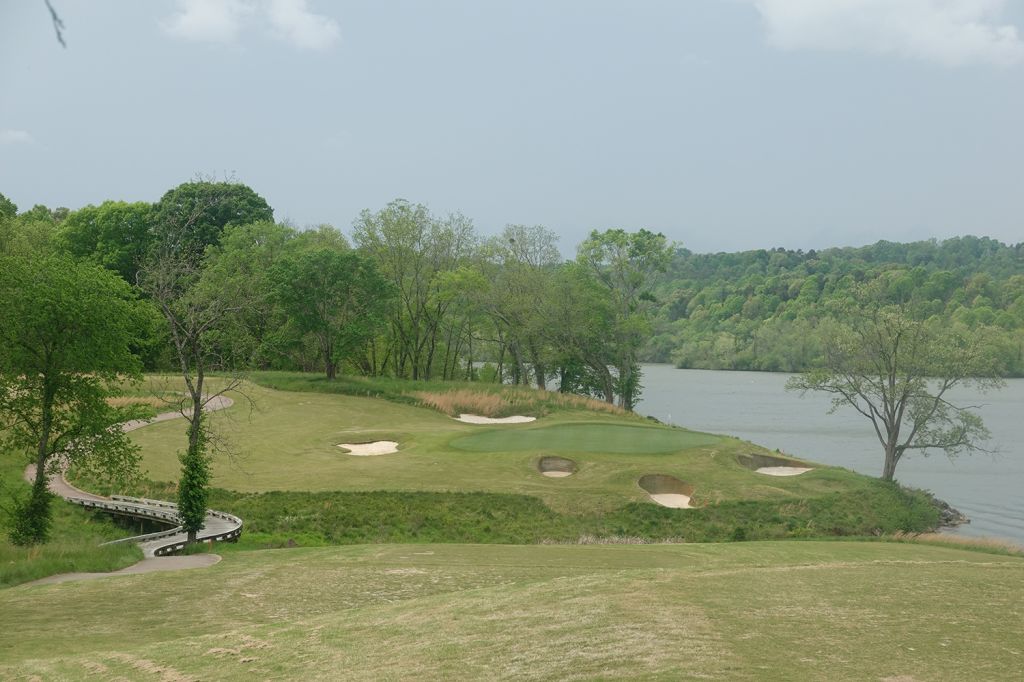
{"x": 412, "y": 295}
{"x": 205, "y": 280}
{"x": 766, "y": 309}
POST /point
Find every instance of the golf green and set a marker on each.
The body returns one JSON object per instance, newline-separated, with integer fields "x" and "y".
{"x": 613, "y": 438}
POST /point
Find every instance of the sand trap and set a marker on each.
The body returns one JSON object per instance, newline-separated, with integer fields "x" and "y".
{"x": 668, "y": 491}
{"x": 783, "y": 471}
{"x": 377, "y": 447}
{"x": 556, "y": 467}
{"x": 477, "y": 419}
{"x": 770, "y": 465}
{"x": 674, "y": 500}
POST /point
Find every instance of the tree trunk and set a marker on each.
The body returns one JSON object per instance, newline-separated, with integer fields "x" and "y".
{"x": 891, "y": 458}
{"x": 32, "y": 522}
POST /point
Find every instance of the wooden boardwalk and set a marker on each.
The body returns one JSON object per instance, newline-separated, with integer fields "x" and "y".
{"x": 218, "y": 526}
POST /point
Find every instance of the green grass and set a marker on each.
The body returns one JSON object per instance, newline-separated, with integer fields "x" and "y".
{"x": 568, "y": 438}
{"x": 74, "y": 538}
{"x": 287, "y": 441}
{"x": 291, "y": 483}
{"x": 739, "y": 611}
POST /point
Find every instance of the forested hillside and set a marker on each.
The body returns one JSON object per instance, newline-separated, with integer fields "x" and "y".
{"x": 416, "y": 295}
{"x": 761, "y": 310}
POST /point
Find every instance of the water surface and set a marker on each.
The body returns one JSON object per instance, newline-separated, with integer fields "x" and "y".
{"x": 756, "y": 407}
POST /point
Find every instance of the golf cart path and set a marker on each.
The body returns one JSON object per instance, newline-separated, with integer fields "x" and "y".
{"x": 155, "y": 546}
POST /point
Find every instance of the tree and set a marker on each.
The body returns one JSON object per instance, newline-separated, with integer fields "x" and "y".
{"x": 66, "y": 335}
{"x": 519, "y": 266}
{"x": 897, "y": 369}
{"x": 114, "y": 234}
{"x": 31, "y": 233}
{"x": 197, "y": 312}
{"x": 339, "y": 298}
{"x": 412, "y": 249}
{"x": 625, "y": 264}
{"x": 239, "y": 268}
{"x": 193, "y": 215}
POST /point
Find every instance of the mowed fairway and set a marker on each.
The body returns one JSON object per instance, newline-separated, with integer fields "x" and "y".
{"x": 288, "y": 441}
{"x": 780, "y": 610}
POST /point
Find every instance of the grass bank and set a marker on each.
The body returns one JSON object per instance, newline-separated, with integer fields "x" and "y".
{"x": 74, "y": 539}
{"x": 742, "y": 611}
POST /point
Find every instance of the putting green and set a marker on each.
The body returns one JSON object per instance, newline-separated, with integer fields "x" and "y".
{"x": 613, "y": 438}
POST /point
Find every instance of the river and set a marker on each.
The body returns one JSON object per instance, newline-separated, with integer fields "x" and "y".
{"x": 988, "y": 488}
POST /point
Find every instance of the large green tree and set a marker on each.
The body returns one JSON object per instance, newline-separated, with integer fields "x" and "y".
{"x": 193, "y": 215}
{"x": 338, "y": 297}
{"x": 626, "y": 264}
{"x": 67, "y": 330}
{"x": 199, "y": 314}
{"x": 115, "y": 234}
{"x": 413, "y": 249}
{"x": 897, "y": 369}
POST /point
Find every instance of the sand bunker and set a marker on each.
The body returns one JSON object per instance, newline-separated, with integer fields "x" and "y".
{"x": 477, "y": 419}
{"x": 668, "y": 491}
{"x": 377, "y": 447}
{"x": 556, "y": 467}
{"x": 773, "y": 466}
{"x": 783, "y": 471}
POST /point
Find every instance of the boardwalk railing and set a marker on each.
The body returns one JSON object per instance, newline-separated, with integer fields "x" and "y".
{"x": 219, "y": 526}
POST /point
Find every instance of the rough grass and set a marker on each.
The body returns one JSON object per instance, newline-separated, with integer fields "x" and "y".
{"x": 127, "y": 400}
{"x": 984, "y": 544}
{"x": 741, "y": 611}
{"x": 571, "y": 438}
{"x": 285, "y": 519}
{"x": 508, "y": 402}
{"x": 450, "y": 397}
{"x": 75, "y": 538}
{"x": 288, "y": 441}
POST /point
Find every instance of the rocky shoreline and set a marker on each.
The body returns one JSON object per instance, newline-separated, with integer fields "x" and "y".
{"x": 949, "y": 516}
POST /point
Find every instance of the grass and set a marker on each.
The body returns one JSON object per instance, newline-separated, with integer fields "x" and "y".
{"x": 584, "y": 437}
{"x": 74, "y": 539}
{"x": 743, "y": 611}
{"x": 453, "y": 482}
{"x": 287, "y": 441}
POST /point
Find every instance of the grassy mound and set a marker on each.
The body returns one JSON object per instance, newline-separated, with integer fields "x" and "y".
{"x": 793, "y": 610}
{"x": 613, "y": 438}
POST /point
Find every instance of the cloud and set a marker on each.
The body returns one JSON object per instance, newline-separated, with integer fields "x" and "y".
{"x": 948, "y": 32}
{"x": 223, "y": 21}
{"x": 213, "y": 21}
{"x": 293, "y": 22}
{"x": 16, "y": 137}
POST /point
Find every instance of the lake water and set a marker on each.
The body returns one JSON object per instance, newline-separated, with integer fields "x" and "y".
{"x": 755, "y": 406}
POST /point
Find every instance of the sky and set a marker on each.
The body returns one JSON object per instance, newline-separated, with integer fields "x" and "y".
{"x": 724, "y": 124}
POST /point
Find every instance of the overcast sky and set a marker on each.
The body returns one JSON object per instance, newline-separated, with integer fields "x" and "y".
{"x": 725, "y": 124}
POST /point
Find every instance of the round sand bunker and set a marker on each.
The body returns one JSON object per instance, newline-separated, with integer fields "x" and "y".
{"x": 477, "y": 419}
{"x": 556, "y": 467}
{"x": 668, "y": 491}
{"x": 377, "y": 447}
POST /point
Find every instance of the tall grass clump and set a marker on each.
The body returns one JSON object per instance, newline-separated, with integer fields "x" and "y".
{"x": 450, "y": 397}
{"x": 508, "y": 401}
